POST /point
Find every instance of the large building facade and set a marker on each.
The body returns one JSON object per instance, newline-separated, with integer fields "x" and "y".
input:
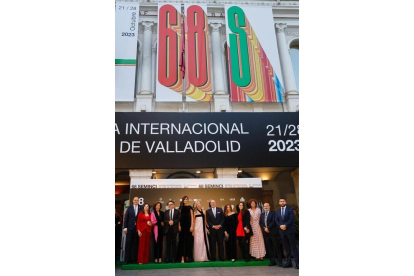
{"x": 279, "y": 181}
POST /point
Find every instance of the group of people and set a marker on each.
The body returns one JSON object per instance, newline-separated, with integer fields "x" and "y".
{"x": 201, "y": 232}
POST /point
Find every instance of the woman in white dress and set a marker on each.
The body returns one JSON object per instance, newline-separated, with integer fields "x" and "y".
{"x": 201, "y": 247}
{"x": 257, "y": 246}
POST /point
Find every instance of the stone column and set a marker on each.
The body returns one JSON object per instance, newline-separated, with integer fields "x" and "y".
{"x": 144, "y": 100}
{"x": 221, "y": 97}
{"x": 291, "y": 91}
{"x": 226, "y": 172}
{"x": 219, "y": 88}
{"x": 146, "y": 58}
{"x": 295, "y": 176}
{"x": 140, "y": 174}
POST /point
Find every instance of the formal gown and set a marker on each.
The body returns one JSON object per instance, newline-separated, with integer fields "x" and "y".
{"x": 158, "y": 244}
{"x": 144, "y": 240}
{"x": 257, "y": 246}
{"x": 230, "y": 227}
{"x": 201, "y": 245}
{"x": 185, "y": 243}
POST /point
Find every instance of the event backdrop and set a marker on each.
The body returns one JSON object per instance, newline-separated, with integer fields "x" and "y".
{"x": 126, "y": 37}
{"x": 222, "y": 190}
{"x": 253, "y": 59}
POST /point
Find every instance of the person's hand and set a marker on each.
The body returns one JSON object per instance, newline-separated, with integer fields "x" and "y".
{"x": 192, "y": 233}
{"x": 126, "y": 231}
{"x": 149, "y": 223}
{"x": 247, "y": 230}
{"x": 208, "y": 232}
{"x": 266, "y": 230}
{"x": 179, "y": 228}
{"x": 162, "y": 223}
{"x": 191, "y": 229}
{"x": 171, "y": 222}
{"x": 283, "y": 227}
{"x": 119, "y": 222}
{"x": 218, "y": 226}
{"x": 226, "y": 235}
{"x": 139, "y": 233}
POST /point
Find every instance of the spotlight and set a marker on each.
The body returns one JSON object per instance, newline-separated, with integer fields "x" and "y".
{"x": 198, "y": 171}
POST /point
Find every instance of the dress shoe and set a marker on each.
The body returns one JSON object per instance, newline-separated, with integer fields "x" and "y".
{"x": 221, "y": 259}
{"x": 297, "y": 266}
{"x": 287, "y": 265}
{"x": 125, "y": 263}
{"x": 247, "y": 260}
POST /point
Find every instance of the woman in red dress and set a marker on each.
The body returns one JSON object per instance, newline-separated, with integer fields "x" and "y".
{"x": 144, "y": 227}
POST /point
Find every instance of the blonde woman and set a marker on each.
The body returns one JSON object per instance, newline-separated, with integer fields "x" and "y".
{"x": 201, "y": 246}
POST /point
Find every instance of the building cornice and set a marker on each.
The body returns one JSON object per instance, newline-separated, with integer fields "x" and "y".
{"x": 276, "y": 3}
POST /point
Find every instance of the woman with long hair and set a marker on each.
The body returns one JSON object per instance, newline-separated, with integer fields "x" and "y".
{"x": 230, "y": 233}
{"x": 201, "y": 251}
{"x": 243, "y": 230}
{"x": 144, "y": 226}
{"x": 185, "y": 244}
{"x": 257, "y": 246}
{"x": 157, "y": 219}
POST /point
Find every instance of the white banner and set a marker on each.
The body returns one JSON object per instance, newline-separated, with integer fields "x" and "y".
{"x": 126, "y": 37}
{"x": 169, "y": 84}
{"x": 265, "y": 82}
{"x": 196, "y": 183}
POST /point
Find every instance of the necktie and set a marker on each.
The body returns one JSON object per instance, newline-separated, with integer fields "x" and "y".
{"x": 214, "y": 209}
{"x": 135, "y": 207}
{"x": 170, "y": 214}
{"x": 266, "y": 219}
{"x": 283, "y": 213}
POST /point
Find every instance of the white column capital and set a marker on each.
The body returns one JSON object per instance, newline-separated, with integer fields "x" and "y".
{"x": 280, "y": 27}
{"x": 226, "y": 172}
{"x": 140, "y": 174}
{"x": 147, "y": 25}
{"x": 215, "y": 27}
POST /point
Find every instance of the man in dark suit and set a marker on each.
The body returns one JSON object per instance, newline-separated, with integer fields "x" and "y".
{"x": 270, "y": 232}
{"x": 171, "y": 220}
{"x": 284, "y": 218}
{"x": 215, "y": 221}
{"x": 130, "y": 229}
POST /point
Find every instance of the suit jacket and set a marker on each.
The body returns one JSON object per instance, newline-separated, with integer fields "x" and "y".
{"x": 130, "y": 221}
{"x": 271, "y": 225}
{"x": 175, "y": 219}
{"x": 218, "y": 220}
{"x": 245, "y": 222}
{"x": 288, "y": 220}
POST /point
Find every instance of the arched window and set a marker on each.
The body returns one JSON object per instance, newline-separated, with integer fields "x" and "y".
{"x": 294, "y": 55}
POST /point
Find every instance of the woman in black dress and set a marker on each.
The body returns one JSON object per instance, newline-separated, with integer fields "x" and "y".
{"x": 185, "y": 244}
{"x": 230, "y": 233}
{"x": 159, "y": 215}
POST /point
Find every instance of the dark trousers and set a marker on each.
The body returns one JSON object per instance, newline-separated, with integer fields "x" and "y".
{"x": 217, "y": 236}
{"x": 131, "y": 246}
{"x": 244, "y": 244}
{"x": 231, "y": 248}
{"x": 273, "y": 248}
{"x": 158, "y": 246}
{"x": 289, "y": 244}
{"x": 171, "y": 240}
